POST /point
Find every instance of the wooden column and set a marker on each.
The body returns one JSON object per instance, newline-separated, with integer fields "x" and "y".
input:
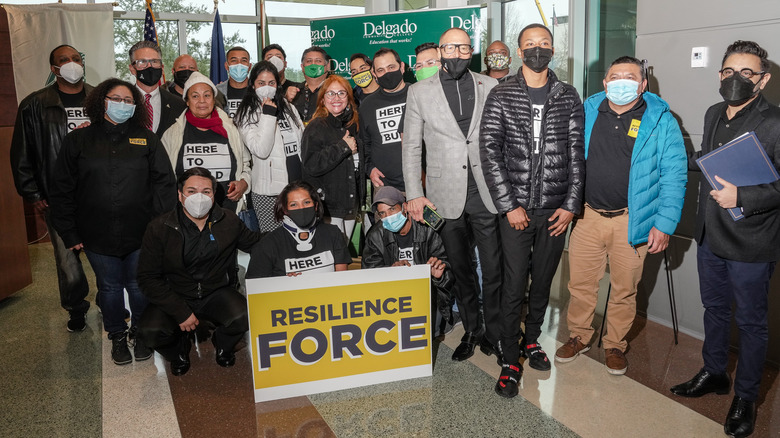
{"x": 15, "y": 271}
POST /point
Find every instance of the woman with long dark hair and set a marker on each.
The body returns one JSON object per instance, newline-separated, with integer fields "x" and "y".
{"x": 112, "y": 177}
{"x": 304, "y": 243}
{"x": 330, "y": 153}
{"x": 271, "y": 129}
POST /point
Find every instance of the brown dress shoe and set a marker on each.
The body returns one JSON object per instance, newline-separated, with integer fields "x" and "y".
{"x": 616, "y": 362}
{"x": 570, "y": 350}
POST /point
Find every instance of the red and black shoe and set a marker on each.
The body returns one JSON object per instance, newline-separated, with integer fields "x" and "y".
{"x": 508, "y": 380}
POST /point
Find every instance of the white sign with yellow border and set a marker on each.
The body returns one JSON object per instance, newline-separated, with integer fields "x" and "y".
{"x": 326, "y": 332}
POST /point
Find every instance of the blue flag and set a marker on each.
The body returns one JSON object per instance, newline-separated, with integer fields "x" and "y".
{"x": 217, "y": 73}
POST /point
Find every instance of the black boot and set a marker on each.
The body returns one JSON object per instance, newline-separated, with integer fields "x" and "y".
{"x": 120, "y": 353}
{"x": 741, "y": 419}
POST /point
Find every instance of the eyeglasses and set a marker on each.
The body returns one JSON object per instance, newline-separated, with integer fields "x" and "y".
{"x": 463, "y": 49}
{"x": 745, "y": 72}
{"x": 118, "y": 99}
{"x": 143, "y": 63}
{"x": 428, "y": 63}
{"x": 331, "y": 95}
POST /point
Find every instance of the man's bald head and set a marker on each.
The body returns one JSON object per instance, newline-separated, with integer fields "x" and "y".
{"x": 185, "y": 62}
{"x": 454, "y": 35}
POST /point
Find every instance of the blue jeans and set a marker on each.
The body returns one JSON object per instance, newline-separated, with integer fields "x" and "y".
{"x": 114, "y": 276}
{"x": 723, "y": 282}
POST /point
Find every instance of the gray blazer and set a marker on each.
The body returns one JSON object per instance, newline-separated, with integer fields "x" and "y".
{"x": 428, "y": 118}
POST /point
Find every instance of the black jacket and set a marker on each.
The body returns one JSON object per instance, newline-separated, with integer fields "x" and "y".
{"x": 162, "y": 276}
{"x": 755, "y": 237}
{"x": 381, "y": 250}
{"x": 172, "y": 106}
{"x": 328, "y": 165}
{"x": 506, "y": 148}
{"x": 41, "y": 124}
{"x": 109, "y": 182}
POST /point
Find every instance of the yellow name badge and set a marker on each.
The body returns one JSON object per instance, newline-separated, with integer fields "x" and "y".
{"x": 633, "y": 130}
{"x": 138, "y": 141}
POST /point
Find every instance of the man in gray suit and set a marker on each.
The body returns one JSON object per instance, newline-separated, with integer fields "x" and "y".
{"x": 455, "y": 185}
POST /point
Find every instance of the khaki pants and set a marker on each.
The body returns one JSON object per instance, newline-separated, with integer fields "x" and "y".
{"x": 594, "y": 240}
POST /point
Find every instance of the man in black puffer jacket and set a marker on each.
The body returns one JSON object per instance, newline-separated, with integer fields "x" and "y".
{"x": 532, "y": 152}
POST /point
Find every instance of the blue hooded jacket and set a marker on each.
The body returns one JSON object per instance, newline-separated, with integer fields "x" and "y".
{"x": 659, "y": 168}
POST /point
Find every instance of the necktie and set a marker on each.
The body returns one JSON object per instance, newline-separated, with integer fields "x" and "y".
{"x": 150, "y": 112}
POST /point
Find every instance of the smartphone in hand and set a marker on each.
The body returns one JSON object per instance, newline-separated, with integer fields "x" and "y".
{"x": 432, "y": 219}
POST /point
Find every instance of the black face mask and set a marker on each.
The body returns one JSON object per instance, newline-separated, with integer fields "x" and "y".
{"x": 149, "y": 76}
{"x": 456, "y": 67}
{"x": 390, "y": 80}
{"x": 737, "y": 89}
{"x": 537, "y": 58}
{"x": 180, "y": 77}
{"x": 303, "y": 217}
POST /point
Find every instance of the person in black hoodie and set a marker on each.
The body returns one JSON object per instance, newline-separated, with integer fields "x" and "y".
{"x": 329, "y": 152}
{"x": 110, "y": 180}
{"x": 183, "y": 271}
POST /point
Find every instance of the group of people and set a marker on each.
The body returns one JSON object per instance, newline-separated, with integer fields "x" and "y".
{"x": 508, "y": 161}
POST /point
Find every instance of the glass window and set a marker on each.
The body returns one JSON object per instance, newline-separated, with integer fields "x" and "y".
{"x": 616, "y": 37}
{"x": 234, "y": 34}
{"x": 519, "y": 14}
{"x": 410, "y": 5}
{"x": 312, "y": 10}
{"x": 294, "y": 40}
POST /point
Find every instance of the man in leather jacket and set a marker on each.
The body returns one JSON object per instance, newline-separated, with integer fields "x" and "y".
{"x": 43, "y": 119}
{"x": 411, "y": 244}
{"x": 532, "y": 151}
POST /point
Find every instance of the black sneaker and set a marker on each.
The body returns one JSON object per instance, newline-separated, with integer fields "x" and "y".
{"x": 537, "y": 358}
{"x": 77, "y": 322}
{"x": 120, "y": 353}
{"x": 509, "y": 380}
{"x": 141, "y": 351}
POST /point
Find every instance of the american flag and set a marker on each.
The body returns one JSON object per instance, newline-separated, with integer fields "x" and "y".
{"x": 555, "y": 17}
{"x": 150, "y": 31}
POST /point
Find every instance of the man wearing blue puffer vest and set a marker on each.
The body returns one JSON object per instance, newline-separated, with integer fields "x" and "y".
{"x": 635, "y": 176}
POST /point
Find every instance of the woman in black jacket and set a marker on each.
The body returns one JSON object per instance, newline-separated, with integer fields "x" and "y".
{"x": 112, "y": 177}
{"x": 330, "y": 153}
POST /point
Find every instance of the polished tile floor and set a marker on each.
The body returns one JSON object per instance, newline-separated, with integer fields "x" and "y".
{"x": 56, "y": 383}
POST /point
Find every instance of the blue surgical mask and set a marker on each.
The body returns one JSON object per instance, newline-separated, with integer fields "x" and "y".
{"x": 119, "y": 112}
{"x": 238, "y": 72}
{"x": 394, "y": 222}
{"x": 622, "y": 91}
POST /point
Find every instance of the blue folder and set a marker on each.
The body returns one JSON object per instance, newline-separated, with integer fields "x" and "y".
{"x": 742, "y": 162}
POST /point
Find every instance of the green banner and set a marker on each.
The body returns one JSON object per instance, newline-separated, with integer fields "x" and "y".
{"x": 402, "y": 31}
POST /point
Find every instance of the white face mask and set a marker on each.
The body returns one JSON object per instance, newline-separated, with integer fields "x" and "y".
{"x": 278, "y": 63}
{"x": 266, "y": 91}
{"x": 71, "y": 72}
{"x": 198, "y": 205}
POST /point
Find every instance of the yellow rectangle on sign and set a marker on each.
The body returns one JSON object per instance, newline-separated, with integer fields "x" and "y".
{"x": 339, "y": 330}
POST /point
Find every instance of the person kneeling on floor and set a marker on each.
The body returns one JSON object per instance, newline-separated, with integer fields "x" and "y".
{"x": 403, "y": 242}
{"x": 183, "y": 271}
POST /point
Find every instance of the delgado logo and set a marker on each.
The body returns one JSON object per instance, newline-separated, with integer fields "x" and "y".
{"x": 471, "y": 23}
{"x": 323, "y": 34}
{"x": 384, "y": 30}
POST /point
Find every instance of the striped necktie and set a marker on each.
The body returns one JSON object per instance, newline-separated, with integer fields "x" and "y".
{"x": 150, "y": 112}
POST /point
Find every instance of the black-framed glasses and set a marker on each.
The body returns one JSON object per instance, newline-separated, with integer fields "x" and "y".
{"x": 745, "y": 72}
{"x": 118, "y": 99}
{"x": 463, "y": 49}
